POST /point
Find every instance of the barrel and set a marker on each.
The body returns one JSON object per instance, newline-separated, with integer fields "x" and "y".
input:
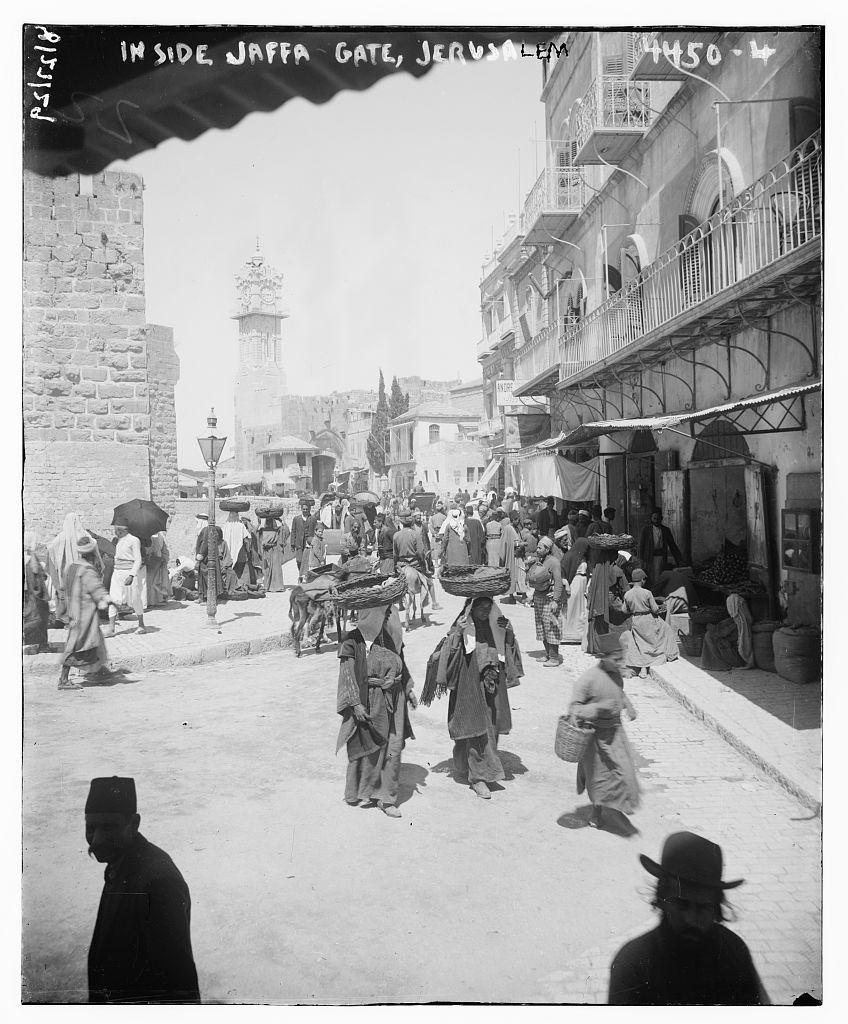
{"x": 797, "y": 653}
{"x": 763, "y": 644}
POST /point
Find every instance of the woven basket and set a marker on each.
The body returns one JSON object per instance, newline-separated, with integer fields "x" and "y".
{"x": 571, "y": 741}
{"x": 707, "y": 614}
{"x": 270, "y": 509}
{"x": 235, "y": 505}
{"x": 691, "y": 646}
{"x": 611, "y": 541}
{"x": 474, "y": 580}
{"x": 370, "y": 591}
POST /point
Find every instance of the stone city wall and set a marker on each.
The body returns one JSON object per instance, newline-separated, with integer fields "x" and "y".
{"x": 87, "y": 393}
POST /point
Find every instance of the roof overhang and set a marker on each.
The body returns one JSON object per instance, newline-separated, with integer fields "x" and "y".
{"x": 542, "y": 385}
{"x": 586, "y": 431}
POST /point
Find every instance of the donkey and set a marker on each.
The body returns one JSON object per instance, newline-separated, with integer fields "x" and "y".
{"x": 417, "y": 594}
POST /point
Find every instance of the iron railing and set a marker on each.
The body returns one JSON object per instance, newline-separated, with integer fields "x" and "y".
{"x": 557, "y": 189}
{"x": 538, "y": 354}
{"x": 779, "y": 213}
{"x": 612, "y": 102}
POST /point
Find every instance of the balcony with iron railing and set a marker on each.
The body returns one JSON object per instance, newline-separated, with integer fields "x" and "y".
{"x": 538, "y": 354}
{"x": 612, "y": 117}
{"x": 489, "y": 342}
{"x": 557, "y": 198}
{"x": 769, "y": 231}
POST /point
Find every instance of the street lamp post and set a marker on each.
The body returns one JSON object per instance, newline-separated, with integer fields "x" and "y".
{"x": 211, "y": 448}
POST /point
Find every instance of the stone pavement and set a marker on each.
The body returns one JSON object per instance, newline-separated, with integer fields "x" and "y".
{"x": 513, "y": 899}
{"x": 773, "y": 722}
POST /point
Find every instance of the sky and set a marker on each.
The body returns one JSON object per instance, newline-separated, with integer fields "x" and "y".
{"x": 377, "y": 207}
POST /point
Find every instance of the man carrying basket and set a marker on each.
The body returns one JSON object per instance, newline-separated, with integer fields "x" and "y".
{"x": 374, "y": 690}
{"x": 475, "y": 663}
{"x": 605, "y": 770}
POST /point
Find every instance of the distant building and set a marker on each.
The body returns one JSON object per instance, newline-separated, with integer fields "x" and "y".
{"x": 436, "y": 443}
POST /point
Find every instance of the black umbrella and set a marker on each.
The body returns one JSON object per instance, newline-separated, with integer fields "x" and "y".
{"x": 142, "y": 518}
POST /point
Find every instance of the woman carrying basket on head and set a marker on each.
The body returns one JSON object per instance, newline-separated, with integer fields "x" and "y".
{"x": 374, "y": 690}
{"x": 606, "y": 771}
{"x": 475, "y": 663}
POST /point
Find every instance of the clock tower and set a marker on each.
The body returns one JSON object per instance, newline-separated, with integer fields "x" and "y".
{"x": 261, "y": 381}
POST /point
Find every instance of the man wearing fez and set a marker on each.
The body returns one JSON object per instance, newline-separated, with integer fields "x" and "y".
{"x": 302, "y": 532}
{"x": 141, "y": 948}
{"x": 689, "y": 959}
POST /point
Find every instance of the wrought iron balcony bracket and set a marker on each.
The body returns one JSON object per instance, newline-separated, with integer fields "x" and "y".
{"x": 773, "y": 330}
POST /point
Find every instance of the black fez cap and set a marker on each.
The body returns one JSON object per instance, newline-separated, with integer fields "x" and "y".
{"x": 111, "y": 796}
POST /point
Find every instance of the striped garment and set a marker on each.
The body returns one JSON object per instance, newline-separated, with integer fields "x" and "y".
{"x": 547, "y": 618}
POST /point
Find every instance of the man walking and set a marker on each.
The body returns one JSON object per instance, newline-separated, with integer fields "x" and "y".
{"x": 302, "y": 532}
{"x": 689, "y": 958}
{"x": 141, "y": 948}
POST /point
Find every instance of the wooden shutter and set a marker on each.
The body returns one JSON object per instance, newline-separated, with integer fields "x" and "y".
{"x": 690, "y": 263}
{"x": 675, "y": 506}
{"x": 762, "y": 567}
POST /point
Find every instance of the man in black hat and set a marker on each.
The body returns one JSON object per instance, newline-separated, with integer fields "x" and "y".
{"x": 141, "y": 948}
{"x": 689, "y": 959}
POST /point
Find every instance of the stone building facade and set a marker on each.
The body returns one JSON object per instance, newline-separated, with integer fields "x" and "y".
{"x": 98, "y": 381}
{"x": 668, "y": 289}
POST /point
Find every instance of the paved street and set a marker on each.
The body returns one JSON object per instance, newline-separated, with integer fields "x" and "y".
{"x": 299, "y": 898}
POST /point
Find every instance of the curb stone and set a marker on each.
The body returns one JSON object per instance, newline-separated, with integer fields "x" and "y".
{"x": 797, "y": 789}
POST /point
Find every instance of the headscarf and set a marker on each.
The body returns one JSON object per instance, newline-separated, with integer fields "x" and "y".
{"x": 326, "y": 514}
{"x": 456, "y": 522}
{"x": 63, "y": 550}
{"x": 235, "y": 533}
{"x": 573, "y": 559}
{"x": 371, "y": 622}
{"x": 738, "y": 611}
{"x": 29, "y": 545}
{"x": 465, "y": 620}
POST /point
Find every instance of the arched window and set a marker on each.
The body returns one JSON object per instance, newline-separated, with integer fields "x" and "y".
{"x": 434, "y": 433}
{"x": 720, "y": 439}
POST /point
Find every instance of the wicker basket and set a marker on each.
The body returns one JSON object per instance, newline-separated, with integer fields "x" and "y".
{"x": 571, "y": 741}
{"x": 474, "y": 580}
{"x": 690, "y": 646}
{"x": 235, "y": 505}
{"x": 707, "y": 613}
{"x": 370, "y": 591}
{"x": 270, "y": 509}
{"x": 611, "y": 541}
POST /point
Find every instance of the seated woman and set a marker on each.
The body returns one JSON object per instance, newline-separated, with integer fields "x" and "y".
{"x": 606, "y": 770}
{"x": 476, "y": 662}
{"x": 675, "y": 585}
{"x": 649, "y": 640}
{"x": 727, "y": 644}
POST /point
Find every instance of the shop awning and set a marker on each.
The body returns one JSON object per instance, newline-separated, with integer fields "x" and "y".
{"x": 490, "y": 473}
{"x": 552, "y": 474}
{"x": 241, "y": 479}
{"x": 586, "y": 431}
{"x": 107, "y": 103}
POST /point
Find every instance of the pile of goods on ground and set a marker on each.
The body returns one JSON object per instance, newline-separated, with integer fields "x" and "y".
{"x": 728, "y": 572}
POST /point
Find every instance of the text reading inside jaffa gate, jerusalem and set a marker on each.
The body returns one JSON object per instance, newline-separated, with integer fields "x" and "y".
{"x": 422, "y": 499}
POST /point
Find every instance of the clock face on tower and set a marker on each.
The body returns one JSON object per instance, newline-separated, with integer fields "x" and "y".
{"x": 268, "y": 295}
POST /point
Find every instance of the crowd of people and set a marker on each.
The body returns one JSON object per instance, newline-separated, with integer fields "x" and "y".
{"x": 580, "y": 592}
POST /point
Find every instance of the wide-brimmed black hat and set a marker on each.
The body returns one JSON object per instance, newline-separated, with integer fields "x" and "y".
{"x": 111, "y": 796}
{"x": 692, "y": 859}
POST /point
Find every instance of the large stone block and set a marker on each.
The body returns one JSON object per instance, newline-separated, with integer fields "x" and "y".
{"x": 115, "y": 391}
{"x": 94, "y": 373}
{"x": 97, "y": 405}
